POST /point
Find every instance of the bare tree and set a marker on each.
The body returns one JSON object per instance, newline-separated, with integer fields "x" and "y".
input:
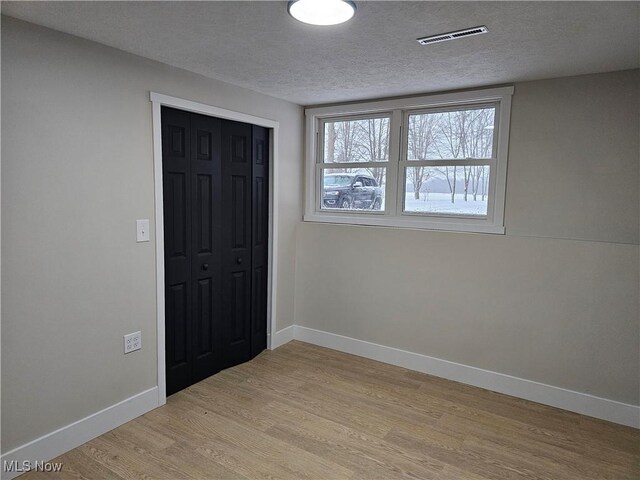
{"x": 330, "y": 143}
{"x": 465, "y": 134}
{"x": 345, "y": 140}
{"x": 480, "y": 145}
{"x": 450, "y": 174}
{"x": 340, "y": 143}
{"x": 420, "y": 140}
{"x": 448, "y": 146}
{"x": 480, "y": 176}
{"x": 484, "y": 184}
{"x": 476, "y": 172}
{"x": 374, "y": 144}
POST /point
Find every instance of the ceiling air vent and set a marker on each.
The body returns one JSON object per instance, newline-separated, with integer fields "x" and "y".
{"x": 445, "y": 37}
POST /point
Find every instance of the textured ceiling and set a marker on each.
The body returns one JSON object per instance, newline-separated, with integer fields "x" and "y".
{"x": 259, "y": 46}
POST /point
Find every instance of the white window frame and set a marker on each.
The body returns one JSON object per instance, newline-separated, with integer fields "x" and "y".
{"x": 399, "y": 111}
{"x": 319, "y": 165}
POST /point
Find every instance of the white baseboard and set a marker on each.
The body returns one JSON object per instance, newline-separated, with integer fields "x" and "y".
{"x": 281, "y": 337}
{"x": 67, "y": 438}
{"x": 56, "y": 443}
{"x": 578, "y": 402}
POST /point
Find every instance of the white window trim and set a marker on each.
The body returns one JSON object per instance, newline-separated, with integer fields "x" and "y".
{"x": 393, "y": 216}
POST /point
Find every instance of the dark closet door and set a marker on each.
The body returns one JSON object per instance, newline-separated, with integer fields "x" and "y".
{"x": 192, "y": 203}
{"x": 216, "y": 220}
{"x": 177, "y": 237}
{"x": 236, "y": 242}
{"x": 260, "y": 236}
{"x": 206, "y": 203}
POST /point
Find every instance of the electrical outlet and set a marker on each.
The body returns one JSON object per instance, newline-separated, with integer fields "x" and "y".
{"x": 132, "y": 342}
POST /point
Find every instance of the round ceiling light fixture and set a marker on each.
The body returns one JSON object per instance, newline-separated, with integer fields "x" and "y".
{"x": 322, "y": 12}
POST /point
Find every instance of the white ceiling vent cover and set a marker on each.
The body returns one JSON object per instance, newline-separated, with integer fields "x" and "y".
{"x": 445, "y": 37}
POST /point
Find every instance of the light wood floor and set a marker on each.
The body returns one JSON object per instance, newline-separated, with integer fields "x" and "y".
{"x": 303, "y": 411}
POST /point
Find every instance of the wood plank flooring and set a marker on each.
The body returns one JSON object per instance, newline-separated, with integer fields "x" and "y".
{"x": 305, "y": 412}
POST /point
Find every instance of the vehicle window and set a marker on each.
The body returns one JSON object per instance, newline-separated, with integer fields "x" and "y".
{"x": 337, "y": 180}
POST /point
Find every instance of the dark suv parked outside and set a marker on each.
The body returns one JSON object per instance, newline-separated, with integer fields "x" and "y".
{"x": 351, "y": 190}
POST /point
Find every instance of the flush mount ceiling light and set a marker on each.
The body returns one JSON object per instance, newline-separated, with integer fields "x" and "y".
{"x": 322, "y": 12}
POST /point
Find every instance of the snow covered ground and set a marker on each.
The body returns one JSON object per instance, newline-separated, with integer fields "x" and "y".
{"x": 441, "y": 203}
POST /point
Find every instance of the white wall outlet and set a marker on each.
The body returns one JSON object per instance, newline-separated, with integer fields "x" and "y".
{"x": 132, "y": 342}
{"x": 142, "y": 230}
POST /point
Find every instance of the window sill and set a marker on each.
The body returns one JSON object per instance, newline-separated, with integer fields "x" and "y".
{"x": 421, "y": 223}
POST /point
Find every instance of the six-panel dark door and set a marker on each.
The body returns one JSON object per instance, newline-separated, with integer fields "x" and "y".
{"x": 259, "y": 235}
{"x": 236, "y": 186}
{"x": 215, "y": 233}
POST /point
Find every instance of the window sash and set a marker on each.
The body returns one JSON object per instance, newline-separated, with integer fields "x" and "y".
{"x": 402, "y": 193}
{"x": 321, "y": 133}
{"x": 457, "y": 108}
{"x": 404, "y": 164}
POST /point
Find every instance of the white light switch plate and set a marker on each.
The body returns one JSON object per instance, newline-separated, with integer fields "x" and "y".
{"x": 142, "y": 230}
{"x": 132, "y": 342}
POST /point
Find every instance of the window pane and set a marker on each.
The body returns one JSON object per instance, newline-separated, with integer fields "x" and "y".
{"x": 457, "y": 134}
{"x": 457, "y": 190}
{"x": 356, "y": 189}
{"x": 362, "y": 140}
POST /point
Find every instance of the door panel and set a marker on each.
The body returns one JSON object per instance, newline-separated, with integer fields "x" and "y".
{"x": 260, "y": 236}
{"x": 236, "y": 201}
{"x": 175, "y": 214}
{"x": 203, "y": 318}
{"x": 239, "y": 212}
{"x": 204, "y": 214}
{"x": 205, "y": 251}
{"x": 177, "y": 239}
{"x": 179, "y": 333}
{"x": 177, "y": 136}
{"x": 260, "y": 202}
{"x": 204, "y": 142}
{"x": 239, "y": 146}
{"x": 238, "y": 307}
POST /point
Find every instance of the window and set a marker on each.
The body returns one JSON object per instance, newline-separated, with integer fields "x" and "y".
{"x": 355, "y": 155}
{"x": 448, "y": 161}
{"x": 436, "y": 162}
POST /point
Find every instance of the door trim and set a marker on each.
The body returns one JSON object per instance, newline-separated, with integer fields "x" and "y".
{"x": 159, "y": 100}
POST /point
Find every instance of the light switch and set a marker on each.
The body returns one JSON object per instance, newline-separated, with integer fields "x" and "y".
{"x": 142, "y": 230}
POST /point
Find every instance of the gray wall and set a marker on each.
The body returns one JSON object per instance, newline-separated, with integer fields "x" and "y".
{"x": 77, "y": 171}
{"x": 555, "y": 300}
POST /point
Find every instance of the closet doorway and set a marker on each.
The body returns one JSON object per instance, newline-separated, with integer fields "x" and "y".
{"x": 216, "y": 231}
